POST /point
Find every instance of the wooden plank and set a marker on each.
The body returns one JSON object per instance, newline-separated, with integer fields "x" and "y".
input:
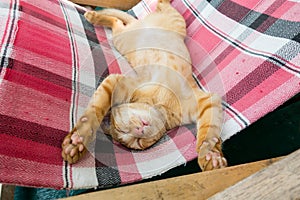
{"x": 278, "y": 181}
{"x": 7, "y": 192}
{"x": 195, "y": 186}
{"x": 122, "y": 5}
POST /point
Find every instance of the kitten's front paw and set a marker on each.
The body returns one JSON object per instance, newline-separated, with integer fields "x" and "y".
{"x": 210, "y": 157}
{"x": 75, "y": 143}
{"x": 72, "y": 147}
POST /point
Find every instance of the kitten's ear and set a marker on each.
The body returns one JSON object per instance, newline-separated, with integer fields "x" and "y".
{"x": 105, "y": 124}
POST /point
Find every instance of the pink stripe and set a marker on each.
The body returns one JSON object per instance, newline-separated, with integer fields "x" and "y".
{"x": 237, "y": 68}
{"x": 111, "y": 60}
{"x": 24, "y": 172}
{"x": 210, "y": 41}
{"x": 51, "y": 11}
{"x": 286, "y": 10}
{"x": 128, "y": 170}
{"x": 230, "y": 57}
{"x": 43, "y": 62}
{"x": 289, "y": 11}
{"x": 30, "y": 105}
{"x": 251, "y": 4}
{"x": 273, "y": 99}
{"x": 185, "y": 141}
{"x": 255, "y": 95}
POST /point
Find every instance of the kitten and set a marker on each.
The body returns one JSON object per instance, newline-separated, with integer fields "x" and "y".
{"x": 158, "y": 95}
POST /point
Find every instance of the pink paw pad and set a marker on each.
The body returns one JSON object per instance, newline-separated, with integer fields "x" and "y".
{"x": 76, "y": 139}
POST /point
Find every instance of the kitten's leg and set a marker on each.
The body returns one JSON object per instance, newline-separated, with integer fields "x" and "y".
{"x": 75, "y": 143}
{"x": 103, "y": 20}
{"x": 114, "y": 19}
{"x": 209, "y": 122}
{"x": 121, "y": 15}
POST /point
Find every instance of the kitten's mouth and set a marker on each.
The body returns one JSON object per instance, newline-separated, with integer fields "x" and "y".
{"x": 139, "y": 143}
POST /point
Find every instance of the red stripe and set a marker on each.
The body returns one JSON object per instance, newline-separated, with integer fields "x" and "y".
{"x": 260, "y": 91}
{"x": 114, "y": 67}
{"x": 44, "y": 74}
{"x": 17, "y": 128}
{"x": 251, "y": 81}
{"x": 43, "y": 42}
{"x": 38, "y": 84}
{"x": 29, "y": 105}
{"x": 30, "y": 150}
{"x": 24, "y": 172}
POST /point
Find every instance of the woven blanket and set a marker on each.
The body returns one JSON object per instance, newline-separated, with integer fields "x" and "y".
{"x": 52, "y": 60}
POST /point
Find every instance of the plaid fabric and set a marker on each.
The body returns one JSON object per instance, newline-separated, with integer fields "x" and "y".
{"x": 52, "y": 60}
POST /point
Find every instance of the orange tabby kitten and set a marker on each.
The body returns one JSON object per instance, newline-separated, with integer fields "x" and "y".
{"x": 158, "y": 95}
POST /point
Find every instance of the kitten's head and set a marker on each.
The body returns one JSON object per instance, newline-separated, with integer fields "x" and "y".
{"x": 137, "y": 125}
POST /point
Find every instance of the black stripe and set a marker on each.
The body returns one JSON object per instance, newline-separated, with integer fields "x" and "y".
{"x": 245, "y": 16}
{"x": 274, "y": 59}
{"x": 225, "y": 105}
{"x": 66, "y": 164}
{"x": 261, "y": 19}
{"x": 130, "y": 12}
{"x": 3, "y": 57}
{"x": 105, "y": 161}
{"x": 39, "y": 73}
{"x": 32, "y": 131}
{"x": 146, "y": 7}
{"x": 100, "y": 64}
{"x": 297, "y": 37}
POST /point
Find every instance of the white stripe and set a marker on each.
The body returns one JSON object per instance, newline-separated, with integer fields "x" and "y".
{"x": 84, "y": 177}
{"x": 230, "y": 128}
{"x": 86, "y": 75}
{"x": 152, "y": 166}
{"x": 14, "y": 16}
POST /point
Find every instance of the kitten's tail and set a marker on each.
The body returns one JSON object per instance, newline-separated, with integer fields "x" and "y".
{"x": 123, "y": 16}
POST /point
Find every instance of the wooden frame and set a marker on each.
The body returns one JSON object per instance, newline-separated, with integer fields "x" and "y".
{"x": 195, "y": 186}
{"x": 124, "y": 5}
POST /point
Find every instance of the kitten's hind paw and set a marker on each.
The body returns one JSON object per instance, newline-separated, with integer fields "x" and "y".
{"x": 73, "y": 148}
{"x": 211, "y": 158}
{"x": 90, "y": 16}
